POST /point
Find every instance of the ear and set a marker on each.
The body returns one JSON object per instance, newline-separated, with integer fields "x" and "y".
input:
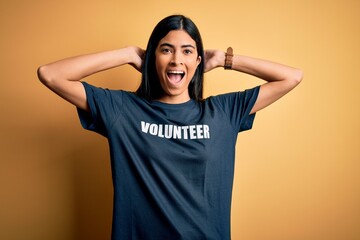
{"x": 198, "y": 60}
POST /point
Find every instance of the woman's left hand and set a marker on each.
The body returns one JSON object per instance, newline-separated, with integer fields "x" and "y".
{"x": 214, "y": 59}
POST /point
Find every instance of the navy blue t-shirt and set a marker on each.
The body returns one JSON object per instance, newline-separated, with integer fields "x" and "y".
{"x": 172, "y": 164}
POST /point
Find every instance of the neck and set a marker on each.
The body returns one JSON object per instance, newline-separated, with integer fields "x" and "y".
{"x": 174, "y": 99}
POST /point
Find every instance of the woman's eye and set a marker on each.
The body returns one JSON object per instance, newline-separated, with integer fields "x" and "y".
{"x": 187, "y": 51}
{"x": 165, "y": 50}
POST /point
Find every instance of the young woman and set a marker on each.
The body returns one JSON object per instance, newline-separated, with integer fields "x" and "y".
{"x": 172, "y": 152}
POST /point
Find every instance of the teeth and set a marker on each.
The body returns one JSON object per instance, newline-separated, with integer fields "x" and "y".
{"x": 176, "y": 72}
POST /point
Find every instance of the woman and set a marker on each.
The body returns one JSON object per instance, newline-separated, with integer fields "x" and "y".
{"x": 172, "y": 151}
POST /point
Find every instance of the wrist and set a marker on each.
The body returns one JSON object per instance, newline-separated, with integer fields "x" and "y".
{"x": 219, "y": 57}
{"x": 131, "y": 54}
{"x": 222, "y": 57}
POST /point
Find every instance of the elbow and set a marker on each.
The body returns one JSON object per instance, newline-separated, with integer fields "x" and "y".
{"x": 294, "y": 78}
{"x": 41, "y": 73}
{"x": 298, "y": 76}
{"x": 44, "y": 75}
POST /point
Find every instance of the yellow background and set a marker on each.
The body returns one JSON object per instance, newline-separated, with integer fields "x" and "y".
{"x": 297, "y": 172}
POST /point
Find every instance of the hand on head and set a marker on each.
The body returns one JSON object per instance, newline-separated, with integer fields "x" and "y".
{"x": 213, "y": 59}
{"x": 138, "y": 55}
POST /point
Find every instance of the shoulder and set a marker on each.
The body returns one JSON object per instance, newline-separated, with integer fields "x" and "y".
{"x": 106, "y": 92}
{"x": 229, "y": 95}
{"x": 233, "y": 96}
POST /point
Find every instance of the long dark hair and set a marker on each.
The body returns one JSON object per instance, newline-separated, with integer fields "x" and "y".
{"x": 150, "y": 87}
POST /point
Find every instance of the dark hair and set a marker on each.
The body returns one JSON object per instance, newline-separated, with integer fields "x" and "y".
{"x": 150, "y": 87}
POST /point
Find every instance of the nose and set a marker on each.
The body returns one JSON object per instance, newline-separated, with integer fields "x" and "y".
{"x": 176, "y": 59}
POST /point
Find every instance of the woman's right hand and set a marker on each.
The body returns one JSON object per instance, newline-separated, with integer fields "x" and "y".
{"x": 137, "y": 56}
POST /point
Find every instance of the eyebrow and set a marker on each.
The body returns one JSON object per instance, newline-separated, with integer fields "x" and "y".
{"x": 172, "y": 46}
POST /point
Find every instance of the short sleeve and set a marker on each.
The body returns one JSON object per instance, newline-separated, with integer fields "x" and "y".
{"x": 104, "y": 105}
{"x": 237, "y": 106}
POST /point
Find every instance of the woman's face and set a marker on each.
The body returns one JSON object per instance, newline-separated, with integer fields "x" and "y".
{"x": 176, "y": 62}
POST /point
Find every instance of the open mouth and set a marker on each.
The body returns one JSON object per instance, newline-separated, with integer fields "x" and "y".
{"x": 175, "y": 76}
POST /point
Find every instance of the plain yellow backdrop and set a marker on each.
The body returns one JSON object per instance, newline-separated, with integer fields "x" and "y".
{"x": 297, "y": 171}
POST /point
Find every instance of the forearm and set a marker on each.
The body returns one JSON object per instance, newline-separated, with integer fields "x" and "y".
{"x": 79, "y": 67}
{"x": 266, "y": 70}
